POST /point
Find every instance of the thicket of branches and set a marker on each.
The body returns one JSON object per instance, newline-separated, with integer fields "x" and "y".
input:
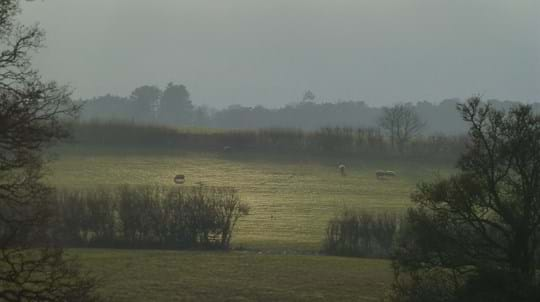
{"x": 475, "y": 235}
{"x": 362, "y": 234}
{"x": 368, "y": 142}
{"x": 402, "y": 124}
{"x": 32, "y": 115}
{"x": 148, "y": 216}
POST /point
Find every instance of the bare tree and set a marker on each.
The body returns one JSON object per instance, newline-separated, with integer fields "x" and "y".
{"x": 32, "y": 116}
{"x": 481, "y": 227}
{"x": 402, "y": 123}
{"x": 308, "y": 96}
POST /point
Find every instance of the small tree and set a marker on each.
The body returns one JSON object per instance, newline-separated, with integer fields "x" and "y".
{"x": 144, "y": 103}
{"x": 308, "y": 96}
{"x": 32, "y": 115}
{"x": 402, "y": 123}
{"x": 175, "y": 107}
{"x": 479, "y": 229}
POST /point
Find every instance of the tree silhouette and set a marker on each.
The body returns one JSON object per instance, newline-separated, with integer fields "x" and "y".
{"x": 32, "y": 116}
{"x": 308, "y": 96}
{"x": 175, "y": 106}
{"x": 144, "y": 102}
{"x": 479, "y": 229}
{"x": 402, "y": 123}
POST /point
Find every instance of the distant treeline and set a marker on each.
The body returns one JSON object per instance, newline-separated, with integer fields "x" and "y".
{"x": 173, "y": 106}
{"x": 147, "y": 216}
{"x": 367, "y": 142}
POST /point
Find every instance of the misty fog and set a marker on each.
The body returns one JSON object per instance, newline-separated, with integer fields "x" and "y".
{"x": 269, "y": 52}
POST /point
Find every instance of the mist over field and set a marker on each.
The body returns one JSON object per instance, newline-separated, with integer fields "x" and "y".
{"x": 269, "y": 52}
{"x": 284, "y": 150}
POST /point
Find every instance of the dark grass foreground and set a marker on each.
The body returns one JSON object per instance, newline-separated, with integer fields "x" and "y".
{"x": 235, "y": 276}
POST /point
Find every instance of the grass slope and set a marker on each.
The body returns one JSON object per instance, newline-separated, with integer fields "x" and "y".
{"x": 291, "y": 198}
{"x": 235, "y": 276}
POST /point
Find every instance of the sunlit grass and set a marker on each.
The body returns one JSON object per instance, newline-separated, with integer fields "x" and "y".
{"x": 291, "y": 198}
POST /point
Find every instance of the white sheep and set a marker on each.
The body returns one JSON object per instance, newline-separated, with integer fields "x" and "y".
{"x": 381, "y": 174}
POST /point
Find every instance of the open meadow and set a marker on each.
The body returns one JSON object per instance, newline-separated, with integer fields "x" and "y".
{"x": 275, "y": 247}
{"x": 143, "y": 275}
{"x": 291, "y": 197}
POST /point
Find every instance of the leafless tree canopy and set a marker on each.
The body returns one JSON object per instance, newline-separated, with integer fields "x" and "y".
{"x": 32, "y": 116}
{"x": 402, "y": 123}
{"x": 483, "y": 224}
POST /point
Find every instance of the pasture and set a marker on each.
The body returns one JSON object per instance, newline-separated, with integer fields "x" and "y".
{"x": 142, "y": 275}
{"x": 291, "y": 197}
{"x": 275, "y": 247}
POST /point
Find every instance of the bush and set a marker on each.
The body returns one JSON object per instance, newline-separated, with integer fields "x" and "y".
{"x": 363, "y": 234}
{"x": 148, "y": 216}
{"x": 367, "y": 142}
{"x": 436, "y": 285}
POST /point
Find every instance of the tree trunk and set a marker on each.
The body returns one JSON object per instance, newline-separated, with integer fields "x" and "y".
{"x": 522, "y": 256}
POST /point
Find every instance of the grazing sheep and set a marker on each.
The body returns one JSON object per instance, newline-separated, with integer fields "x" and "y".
{"x": 341, "y": 168}
{"x": 179, "y": 179}
{"x": 227, "y": 148}
{"x": 391, "y": 173}
{"x": 381, "y": 174}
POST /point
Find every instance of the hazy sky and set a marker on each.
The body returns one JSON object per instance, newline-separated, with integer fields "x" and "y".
{"x": 269, "y": 52}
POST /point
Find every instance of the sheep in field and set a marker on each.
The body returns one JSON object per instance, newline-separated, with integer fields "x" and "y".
{"x": 341, "y": 168}
{"x": 381, "y": 174}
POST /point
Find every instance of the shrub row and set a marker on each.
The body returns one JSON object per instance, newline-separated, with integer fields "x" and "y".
{"x": 362, "y": 141}
{"x": 148, "y": 216}
{"x": 362, "y": 234}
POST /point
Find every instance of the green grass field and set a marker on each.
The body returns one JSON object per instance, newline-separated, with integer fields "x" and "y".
{"x": 235, "y": 276}
{"x": 291, "y": 199}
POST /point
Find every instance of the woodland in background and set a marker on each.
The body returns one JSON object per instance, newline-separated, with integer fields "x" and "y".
{"x": 173, "y": 106}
